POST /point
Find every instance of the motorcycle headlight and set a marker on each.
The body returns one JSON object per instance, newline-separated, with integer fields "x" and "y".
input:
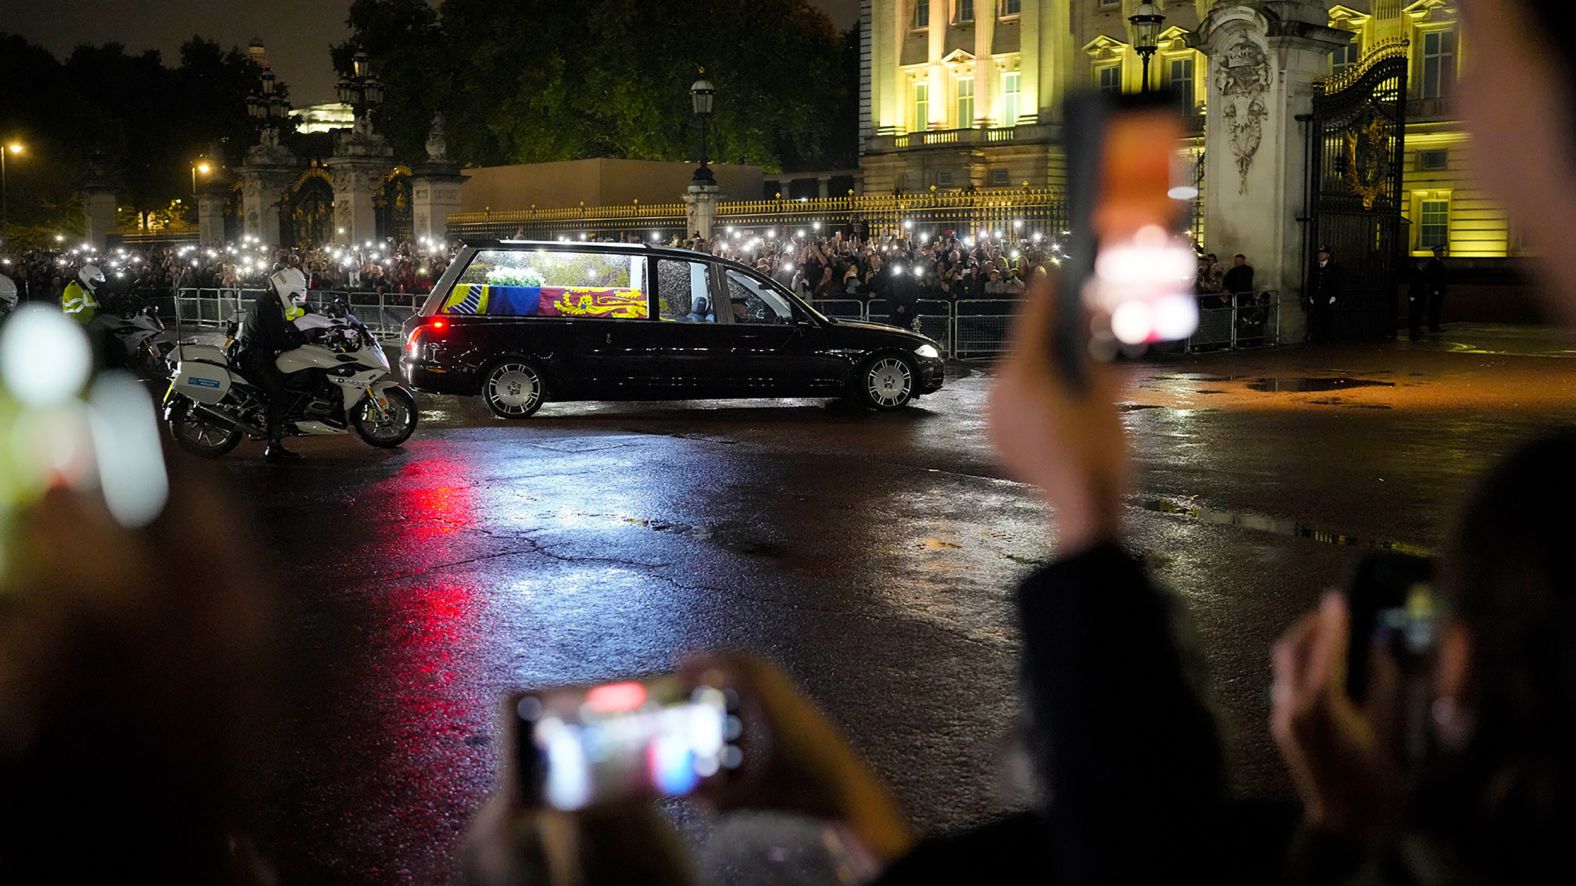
{"x": 928, "y": 352}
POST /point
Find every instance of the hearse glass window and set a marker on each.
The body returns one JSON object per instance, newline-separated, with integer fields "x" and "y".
{"x": 754, "y": 302}
{"x": 551, "y": 283}
{"x": 683, "y": 291}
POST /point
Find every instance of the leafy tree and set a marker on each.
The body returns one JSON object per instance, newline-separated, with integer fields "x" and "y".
{"x": 152, "y": 121}
{"x": 610, "y": 78}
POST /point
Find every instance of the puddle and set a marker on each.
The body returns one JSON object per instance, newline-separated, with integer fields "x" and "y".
{"x": 1278, "y": 526}
{"x": 1306, "y": 384}
{"x": 1132, "y": 407}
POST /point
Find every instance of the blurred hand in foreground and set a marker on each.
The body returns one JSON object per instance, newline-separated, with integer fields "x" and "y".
{"x": 796, "y": 761}
{"x": 1069, "y": 443}
{"x": 1336, "y": 752}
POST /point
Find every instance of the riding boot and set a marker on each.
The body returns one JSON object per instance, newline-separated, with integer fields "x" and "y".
{"x": 276, "y": 451}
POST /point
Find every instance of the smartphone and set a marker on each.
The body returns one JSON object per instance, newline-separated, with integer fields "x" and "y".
{"x": 1395, "y": 613}
{"x": 1393, "y": 608}
{"x": 1128, "y": 265}
{"x": 581, "y": 746}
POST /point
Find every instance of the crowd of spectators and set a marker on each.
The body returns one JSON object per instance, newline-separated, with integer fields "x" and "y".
{"x": 373, "y": 266}
{"x": 948, "y": 266}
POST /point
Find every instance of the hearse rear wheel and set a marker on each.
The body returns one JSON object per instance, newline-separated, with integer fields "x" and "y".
{"x": 513, "y": 389}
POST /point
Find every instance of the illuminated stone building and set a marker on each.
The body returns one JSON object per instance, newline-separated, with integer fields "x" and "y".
{"x": 966, "y": 93}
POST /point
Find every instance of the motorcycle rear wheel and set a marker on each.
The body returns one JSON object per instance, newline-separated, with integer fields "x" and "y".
{"x": 400, "y": 425}
{"x": 199, "y": 434}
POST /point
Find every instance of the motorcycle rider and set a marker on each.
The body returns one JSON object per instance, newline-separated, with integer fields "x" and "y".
{"x": 265, "y": 335}
{"x": 78, "y": 298}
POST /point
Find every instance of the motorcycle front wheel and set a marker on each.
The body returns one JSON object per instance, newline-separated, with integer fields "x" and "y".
{"x": 394, "y": 428}
{"x": 201, "y": 434}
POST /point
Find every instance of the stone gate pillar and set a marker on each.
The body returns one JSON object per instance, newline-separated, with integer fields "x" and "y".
{"x": 700, "y": 208}
{"x": 355, "y": 182}
{"x": 99, "y": 204}
{"x": 98, "y": 216}
{"x": 212, "y": 195}
{"x": 435, "y": 187}
{"x": 269, "y": 169}
{"x": 1263, "y": 58}
{"x": 361, "y": 159}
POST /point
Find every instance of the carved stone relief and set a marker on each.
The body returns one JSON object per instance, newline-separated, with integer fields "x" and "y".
{"x": 1243, "y": 81}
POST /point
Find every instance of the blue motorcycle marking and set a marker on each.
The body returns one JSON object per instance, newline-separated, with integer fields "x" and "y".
{"x": 203, "y": 382}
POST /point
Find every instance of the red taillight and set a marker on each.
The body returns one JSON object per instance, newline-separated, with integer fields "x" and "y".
{"x": 415, "y": 334}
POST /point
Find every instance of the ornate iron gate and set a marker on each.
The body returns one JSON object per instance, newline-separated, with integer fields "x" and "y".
{"x": 1357, "y": 133}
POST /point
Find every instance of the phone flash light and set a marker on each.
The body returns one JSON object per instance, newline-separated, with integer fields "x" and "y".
{"x": 1142, "y": 285}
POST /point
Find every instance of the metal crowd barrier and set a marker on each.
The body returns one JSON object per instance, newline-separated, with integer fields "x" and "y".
{"x": 970, "y": 329}
{"x": 980, "y": 327}
{"x": 1236, "y": 321}
{"x": 383, "y": 313}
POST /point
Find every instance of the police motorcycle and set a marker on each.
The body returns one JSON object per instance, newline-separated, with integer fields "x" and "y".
{"x": 141, "y": 342}
{"x": 8, "y": 296}
{"x": 338, "y": 382}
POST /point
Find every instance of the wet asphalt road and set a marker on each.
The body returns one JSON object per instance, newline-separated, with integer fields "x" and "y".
{"x": 873, "y": 556}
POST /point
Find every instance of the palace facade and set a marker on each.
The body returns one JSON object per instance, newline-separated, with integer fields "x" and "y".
{"x": 962, "y": 94}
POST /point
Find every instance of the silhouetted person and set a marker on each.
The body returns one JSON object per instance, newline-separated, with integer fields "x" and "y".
{"x": 1324, "y": 292}
{"x": 1434, "y": 283}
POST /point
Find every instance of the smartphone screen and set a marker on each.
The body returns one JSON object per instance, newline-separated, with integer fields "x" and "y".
{"x": 1130, "y": 268}
{"x": 581, "y": 746}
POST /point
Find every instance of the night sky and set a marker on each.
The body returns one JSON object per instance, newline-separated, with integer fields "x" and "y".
{"x": 297, "y": 32}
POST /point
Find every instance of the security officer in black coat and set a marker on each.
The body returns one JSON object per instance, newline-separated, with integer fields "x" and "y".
{"x": 1434, "y": 283}
{"x": 265, "y": 335}
{"x": 1324, "y": 293}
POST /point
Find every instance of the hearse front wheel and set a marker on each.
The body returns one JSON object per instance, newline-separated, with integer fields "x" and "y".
{"x": 887, "y": 382}
{"x": 514, "y": 389}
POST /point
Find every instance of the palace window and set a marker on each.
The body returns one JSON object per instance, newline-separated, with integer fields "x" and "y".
{"x": 1011, "y": 7}
{"x": 1179, "y": 77}
{"x": 1010, "y": 95}
{"x": 1110, "y": 4}
{"x": 965, "y": 10}
{"x": 921, "y": 14}
{"x": 1344, "y": 57}
{"x": 921, "y": 107}
{"x": 965, "y": 103}
{"x": 1433, "y": 160}
{"x": 999, "y": 179}
{"x": 1108, "y": 78}
{"x": 1433, "y": 223}
{"x": 1439, "y": 64}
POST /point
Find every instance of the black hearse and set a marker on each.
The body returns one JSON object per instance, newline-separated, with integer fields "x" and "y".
{"x": 521, "y": 322}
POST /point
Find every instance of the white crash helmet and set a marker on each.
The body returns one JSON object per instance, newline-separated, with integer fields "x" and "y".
{"x": 290, "y": 283}
{"x": 91, "y": 277}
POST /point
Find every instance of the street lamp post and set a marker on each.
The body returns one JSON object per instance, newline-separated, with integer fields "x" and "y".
{"x": 202, "y": 167}
{"x": 362, "y": 91}
{"x": 701, "y": 95}
{"x": 12, "y": 147}
{"x": 267, "y": 106}
{"x": 1146, "y": 21}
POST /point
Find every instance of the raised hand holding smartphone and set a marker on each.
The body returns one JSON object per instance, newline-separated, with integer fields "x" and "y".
{"x": 1128, "y": 268}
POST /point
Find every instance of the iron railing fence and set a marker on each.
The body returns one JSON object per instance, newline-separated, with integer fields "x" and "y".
{"x": 1014, "y": 213}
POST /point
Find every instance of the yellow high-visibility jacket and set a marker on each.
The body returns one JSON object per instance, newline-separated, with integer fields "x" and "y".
{"x": 78, "y": 302}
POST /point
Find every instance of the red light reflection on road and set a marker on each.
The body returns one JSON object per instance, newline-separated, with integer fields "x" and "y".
{"x": 440, "y": 509}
